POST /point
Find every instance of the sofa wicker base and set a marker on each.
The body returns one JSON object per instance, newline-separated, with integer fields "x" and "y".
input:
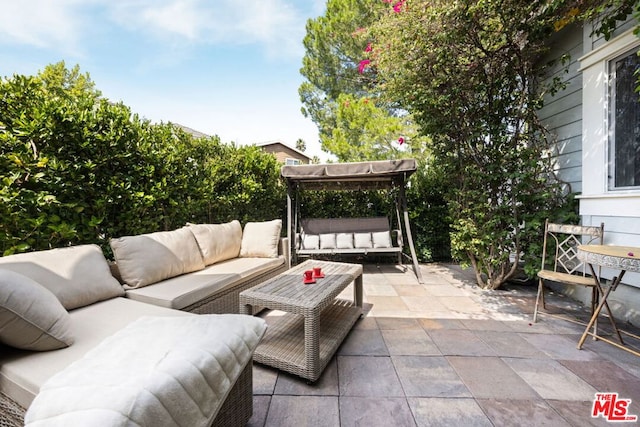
{"x": 235, "y": 411}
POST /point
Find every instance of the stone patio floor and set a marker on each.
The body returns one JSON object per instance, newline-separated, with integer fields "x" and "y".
{"x": 446, "y": 353}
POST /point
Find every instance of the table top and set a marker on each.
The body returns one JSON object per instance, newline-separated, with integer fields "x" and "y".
{"x": 611, "y": 256}
{"x": 288, "y": 290}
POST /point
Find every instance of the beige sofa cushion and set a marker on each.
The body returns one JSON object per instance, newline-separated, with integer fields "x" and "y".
{"x": 31, "y": 317}
{"x": 260, "y": 239}
{"x": 328, "y": 241}
{"x": 183, "y": 291}
{"x": 77, "y": 275}
{"x": 381, "y": 239}
{"x": 344, "y": 241}
{"x": 362, "y": 240}
{"x": 218, "y": 242}
{"x": 22, "y": 373}
{"x": 150, "y": 258}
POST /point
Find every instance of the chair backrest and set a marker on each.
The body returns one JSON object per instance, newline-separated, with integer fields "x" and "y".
{"x": 563, "y": 240}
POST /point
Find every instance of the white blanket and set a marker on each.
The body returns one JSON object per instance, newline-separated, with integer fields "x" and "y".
{"x": 158, "y": 371}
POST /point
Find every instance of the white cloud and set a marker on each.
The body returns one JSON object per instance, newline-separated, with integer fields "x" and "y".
{"x": 275, "y": 24}
{"x": 41, "y": 23}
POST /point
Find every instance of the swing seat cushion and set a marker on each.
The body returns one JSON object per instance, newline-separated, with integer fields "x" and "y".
{"x": 347, "y": 236}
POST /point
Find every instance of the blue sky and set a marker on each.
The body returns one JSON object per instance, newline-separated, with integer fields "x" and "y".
{"x": 226, "y": 68}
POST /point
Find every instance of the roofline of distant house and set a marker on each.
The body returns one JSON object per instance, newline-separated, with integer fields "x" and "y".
{"x": 262, "y": 144}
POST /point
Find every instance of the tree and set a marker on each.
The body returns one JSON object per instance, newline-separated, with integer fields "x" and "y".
{"x": 468, "y": 72}
{"x": 334, "y": 47}
{"x": 301, "y": 145}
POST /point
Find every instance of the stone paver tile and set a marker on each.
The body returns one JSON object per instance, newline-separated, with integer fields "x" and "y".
{"x": 560, "y": 347}
{"x": 438, "y": 412}
{"x": 458, "y": 342}
{"x": 551, "y": 380}
{"x": 395, "y": 323}
{"x": 446, "y": 290}
{"x": 296, "y": 411}
{"x": 260, "y": 410}
{"x": 410, "y": 342}
{"x": 510, "y": 344}
{"x": 627, "y": 361}
{"x": 368, "y": 377}
{"x": 439, "y": 323}
{"x": 386, "y": 303}
{"x": 486, "y": 325}
{"x": 264, "y": 379}
{"x": 327, "y": 384}
{"x": 364, "y": 342}
{"x": 507, "y": 412}
{"x": 491, "y": 378}
{"x": 463, "y": 304}
{"x": 411, "y": 290}
{"x": 606, "y": 376}
{"x": 375, "y": 412}
{"x": 423, "y": 376}
{"x": 427, "y": 303}
{"x": 528, "y": 327}
{"x": 366, "y": 323}
{"x": 383, "y": 290}
{"x": 577, "y": 414}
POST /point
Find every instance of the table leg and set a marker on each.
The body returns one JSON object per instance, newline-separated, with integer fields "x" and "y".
{"x": 602, "y": 303}
{"x": 312, "y": 344}
{"x": 357, "y": 291}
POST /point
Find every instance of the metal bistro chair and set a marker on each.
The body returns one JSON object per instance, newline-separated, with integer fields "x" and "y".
{"x": 561, "y": 242}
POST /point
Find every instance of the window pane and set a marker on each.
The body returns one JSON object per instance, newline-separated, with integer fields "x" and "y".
{"x": 624, "y": 121}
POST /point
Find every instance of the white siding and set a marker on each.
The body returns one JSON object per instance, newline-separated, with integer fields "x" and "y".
{"x": 562, "y": 112}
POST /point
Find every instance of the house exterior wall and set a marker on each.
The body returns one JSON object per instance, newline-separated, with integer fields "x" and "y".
{"x": 282, "y": 153}
{"x": 580, "y": 121}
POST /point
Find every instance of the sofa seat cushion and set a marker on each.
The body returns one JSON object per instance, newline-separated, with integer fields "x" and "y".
{"x": 22, "y": 372}
{"x": 31, "y": 317}
{"x": 157, "y": 371}
{"x": 182, "y": 291}
{"x": 77, "y": 275}
{"x": 149, "y": 258}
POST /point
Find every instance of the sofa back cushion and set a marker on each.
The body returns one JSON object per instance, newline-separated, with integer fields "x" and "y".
{"x": 77, "y": 275}
{"x": 149, "y": 258}
{"x": 218, "y": 242}
{"x": 31, "y": 317}
{"x": 260, "y": 239}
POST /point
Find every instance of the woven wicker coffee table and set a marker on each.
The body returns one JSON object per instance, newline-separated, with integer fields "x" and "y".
{"x": 304, "y": 339}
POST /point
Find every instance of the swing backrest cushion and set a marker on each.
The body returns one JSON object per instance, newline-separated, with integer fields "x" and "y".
{"x": 345, "y": 233}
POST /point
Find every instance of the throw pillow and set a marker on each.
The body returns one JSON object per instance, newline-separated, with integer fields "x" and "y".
{"x": 381, "y": 239}
{"x": 260, "y": 239}
{"x": 328, "y": 241}
{"x": 149, "y": 258}
{"x": 344, "y": 241}
{"x": 218, "y": 242}
{"x": 362, "y": 240}
{"x": 31, "y": 317}
{"x": 310, "y": 241}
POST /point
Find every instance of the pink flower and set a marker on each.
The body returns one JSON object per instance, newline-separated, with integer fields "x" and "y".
{"x": 397, "y": 8}
{"x": 369, "y": 48}
{"x": 362, "y": 65}
{"x": 401, "y": 140}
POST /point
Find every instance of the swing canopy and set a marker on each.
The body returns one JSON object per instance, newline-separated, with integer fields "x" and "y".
{"x": 385, "y": 174}
{"x": 350, "y": 176}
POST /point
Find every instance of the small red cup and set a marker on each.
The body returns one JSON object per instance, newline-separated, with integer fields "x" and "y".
{"x": 308, "y": 276}
{"x": 317, "y": 272}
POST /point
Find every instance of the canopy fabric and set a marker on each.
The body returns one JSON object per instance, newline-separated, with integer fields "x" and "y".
{"x": 384, "y": 173}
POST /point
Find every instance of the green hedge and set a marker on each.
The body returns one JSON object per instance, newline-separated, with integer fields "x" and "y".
{"x": 76, "y": 168}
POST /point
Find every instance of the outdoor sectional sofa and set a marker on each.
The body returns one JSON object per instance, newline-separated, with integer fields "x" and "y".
{"x": 80, "y": 347}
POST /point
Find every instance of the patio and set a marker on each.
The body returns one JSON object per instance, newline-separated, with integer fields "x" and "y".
{"x": 447, "y": 353}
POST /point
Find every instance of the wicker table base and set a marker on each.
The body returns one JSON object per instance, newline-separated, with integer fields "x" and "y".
{"x": 303, "y": 341}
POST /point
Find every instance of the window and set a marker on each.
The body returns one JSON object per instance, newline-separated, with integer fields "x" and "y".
{"x": 624, "y": 122}
{"x": 291, "y": 162}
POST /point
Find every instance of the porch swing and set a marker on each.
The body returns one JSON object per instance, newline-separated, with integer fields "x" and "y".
{"x": 309, "y": 237}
